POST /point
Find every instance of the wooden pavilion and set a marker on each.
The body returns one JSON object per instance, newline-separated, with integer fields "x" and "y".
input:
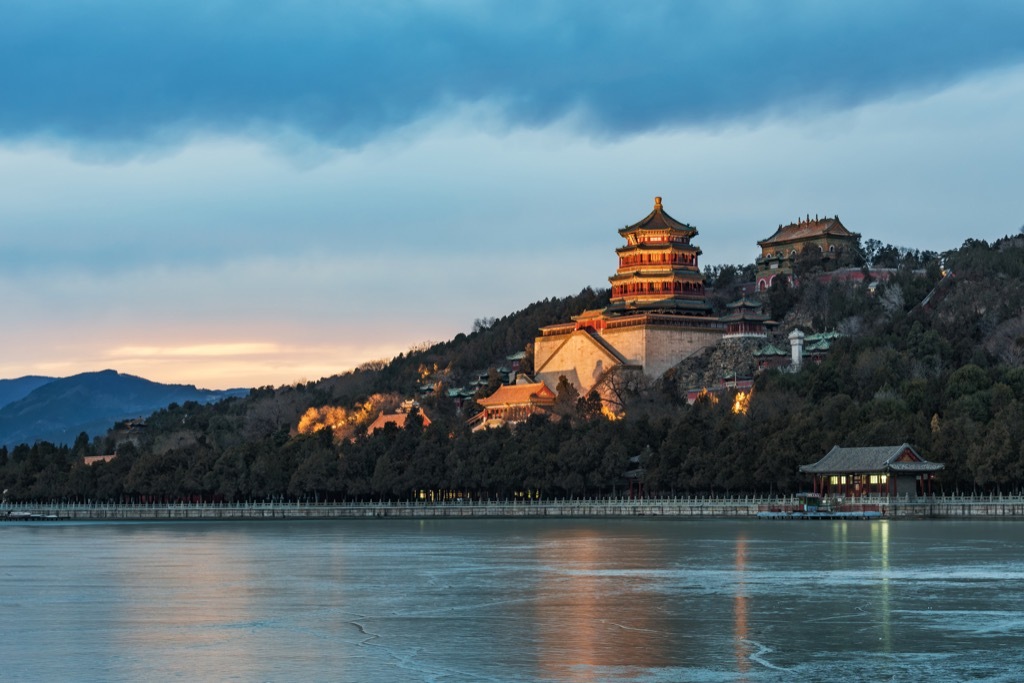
{"x": 512, "y": 404}
{"x": 873, "y": 470}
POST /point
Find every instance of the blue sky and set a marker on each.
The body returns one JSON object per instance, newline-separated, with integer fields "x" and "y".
{"x": 236, "y": 193}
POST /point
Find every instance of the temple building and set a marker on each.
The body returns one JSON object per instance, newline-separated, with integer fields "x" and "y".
{"x": 826, "y": 237}
{"x": 658, "y": 314}
{"x": 396, "y": 419}
{"x": 880, "y": 471}
{"x": 746, "y": 319}
{"x": 512, "y": 404}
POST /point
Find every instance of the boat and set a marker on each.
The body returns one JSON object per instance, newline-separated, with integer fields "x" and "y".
{"x": 813, "y": 506}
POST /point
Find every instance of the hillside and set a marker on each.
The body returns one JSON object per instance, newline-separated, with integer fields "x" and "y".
{"x": 58, "y": 410}
{"x": 929, "y": 358}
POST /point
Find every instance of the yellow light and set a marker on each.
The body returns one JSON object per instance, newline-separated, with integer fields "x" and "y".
{"x": 741, "y": 404}
{"x": 611, "y": 414}
{"x": 315, "y": 419}
{"x": 705, "y": 394}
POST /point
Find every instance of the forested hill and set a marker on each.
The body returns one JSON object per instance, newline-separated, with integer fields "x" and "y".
{"x": 491, "y": 340}
{"x": 934, "y": 357}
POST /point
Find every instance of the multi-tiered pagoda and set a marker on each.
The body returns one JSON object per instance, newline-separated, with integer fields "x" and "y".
{"x": 658, "y": 269}
{"x": 657, "y": 317}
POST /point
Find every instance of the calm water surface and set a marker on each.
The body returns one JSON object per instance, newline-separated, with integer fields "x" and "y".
{"x": 512, "y": 600}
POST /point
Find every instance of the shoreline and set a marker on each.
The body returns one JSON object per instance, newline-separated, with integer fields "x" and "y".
{"x": 751, "y": 507}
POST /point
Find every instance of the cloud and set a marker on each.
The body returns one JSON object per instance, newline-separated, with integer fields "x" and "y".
{"x": 198, "y": 350}
{"x": 115, "y": 78}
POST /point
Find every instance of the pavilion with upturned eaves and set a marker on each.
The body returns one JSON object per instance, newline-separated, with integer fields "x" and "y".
{"x": 512, "y": 404}
{"x": 658, "y": 268}
{"x": 746, "y": 319}
{"x": 877, "y": 470}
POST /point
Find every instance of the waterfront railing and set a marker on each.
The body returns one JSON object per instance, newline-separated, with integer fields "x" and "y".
{"x": 995, "y": 505}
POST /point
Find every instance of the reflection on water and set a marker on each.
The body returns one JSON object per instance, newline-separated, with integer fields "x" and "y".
{"x": 202, "y": 590}
{"x": 739, "y": 609}
{"x": 513, "y": 600}
{"x": 880, "y": 549}
{"x": 595, "y": 609}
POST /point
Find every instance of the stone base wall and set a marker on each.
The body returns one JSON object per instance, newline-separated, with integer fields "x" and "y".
{"x": 666, "y": 347}
{"x": 653, "y": 347}
{"x": 578, "y": 357}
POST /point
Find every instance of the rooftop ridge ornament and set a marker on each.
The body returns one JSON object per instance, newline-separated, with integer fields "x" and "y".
{"x": 657, "y": 203}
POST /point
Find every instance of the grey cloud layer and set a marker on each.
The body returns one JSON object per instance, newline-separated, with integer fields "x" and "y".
{"x": 345, "y": 73}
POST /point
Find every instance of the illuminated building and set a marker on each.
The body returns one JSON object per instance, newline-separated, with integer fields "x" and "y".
{"x": 658, "y": 314}
{"x": 513, "y": 403}
{"x": 881, "y": 470}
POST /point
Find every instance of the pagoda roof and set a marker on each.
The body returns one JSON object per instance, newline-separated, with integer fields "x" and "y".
{"x": 590, "y": 314}
{"x": 749, "y": 315}
{"x": 660, "y": 246}
{"x": 745, "y": 302}
{"x": 808, "y": 229}
{"x": 633, "y": 303}
{"x": 770, "y": 350}
{"x": 519, "y": 394}
{"x": 898, "y": 459}
{"x": 819, "y": 346}
{"x": 829, "y": 336}
{"x": 658, "y": 273}
{"x": 397, "y": 419}
{"x": 658, "y": 220}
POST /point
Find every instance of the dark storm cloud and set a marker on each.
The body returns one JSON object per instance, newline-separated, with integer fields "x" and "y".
{"x": 127, "y": 72}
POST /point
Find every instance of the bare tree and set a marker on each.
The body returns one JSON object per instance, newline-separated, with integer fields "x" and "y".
{"x": 622, "y": 385}
{"x": 1007, "y": 341}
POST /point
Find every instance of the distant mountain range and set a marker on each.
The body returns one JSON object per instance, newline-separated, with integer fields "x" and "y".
{"x": 12, "y": 390}
{"x": 59, "y": 409}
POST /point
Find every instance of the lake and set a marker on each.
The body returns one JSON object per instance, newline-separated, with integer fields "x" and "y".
{"x": 513, "y": 600}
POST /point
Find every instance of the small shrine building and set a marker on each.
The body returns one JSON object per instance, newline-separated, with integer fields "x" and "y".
{"x": 746, "y": 319}
{"x": 874, "y": 470}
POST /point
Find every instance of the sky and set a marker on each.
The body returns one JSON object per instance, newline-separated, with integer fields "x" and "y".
{"x": 231, "y": 193}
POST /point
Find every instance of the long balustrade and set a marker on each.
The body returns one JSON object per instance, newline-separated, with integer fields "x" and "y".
{"x": 942, "y": 506}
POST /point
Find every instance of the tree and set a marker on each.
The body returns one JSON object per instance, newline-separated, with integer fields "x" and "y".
{"x": 620, "y": 387}
{"x": 590, "y": 407}
{"x": 566, "y": 398}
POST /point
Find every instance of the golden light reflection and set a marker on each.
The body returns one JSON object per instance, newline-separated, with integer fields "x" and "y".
{"x": 705, "y": 395}
{"x": 593, "y": 611}
{"x": 611, "y": 414}
{"x": 342, "y": 420}
{"x": 195, "y": 604}
{"x": 316, "y": 419}
{"x": 880, "y": 547}
{"x": 741, "y": 404}
{"x": 739, "y": 610}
